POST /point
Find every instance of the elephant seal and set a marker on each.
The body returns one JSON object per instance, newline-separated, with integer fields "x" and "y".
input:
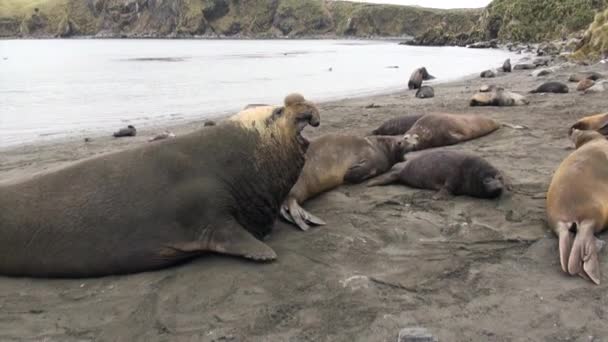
{"x": 333, "y": 160}
{"x": 577, "y": 204}
{"x": 449, "y": 172}
{"x": 584, "y": 84}
{"x": 589, "y": 75}
{"x": 488, "y": 88}
{"x": 417, "y": 77}
{"x": 129, "y": 131}
{"x": 162, "y": 136}
{"x": 425, "y": 92}
{"x": 551, "y": 87}
{"x": 487, "y": 74}
{"x": 398, "y": 125}
{"x": 597, "y": 122}
{"x": 209, "y": 123}
{"x": 524, "y": 66}
{"x": 435, "y": 130}
{"x": 598, "y": 87}
{"x": 506, "y": 66}
{"x": 498, "y": 97}
{"x": 218, "y": 190}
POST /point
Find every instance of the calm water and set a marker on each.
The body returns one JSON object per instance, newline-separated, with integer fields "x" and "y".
{"x": 56, "y": 88}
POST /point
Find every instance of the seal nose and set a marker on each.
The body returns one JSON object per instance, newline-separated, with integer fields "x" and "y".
{"x": 494, "y": 186}
{"x": 315, "y": 119}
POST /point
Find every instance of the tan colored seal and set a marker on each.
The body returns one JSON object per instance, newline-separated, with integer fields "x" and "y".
{"x": 597, "y": 122}
{"x": 577, "y": 204}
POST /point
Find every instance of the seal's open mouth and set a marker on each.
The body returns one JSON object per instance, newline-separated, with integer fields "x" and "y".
{"x": 302, "y": 139}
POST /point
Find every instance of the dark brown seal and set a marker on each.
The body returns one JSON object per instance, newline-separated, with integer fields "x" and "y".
{"x": 449, "y": 172}
{"x": 333, "y": 160}
{"x": 417, "y": 77}
{"x": 435, "y": 130}
{"x": 398, "y": 125}
{"x": 129, "y": 131}
{"x": 577, "y": 204}
{"x": 215, "y": 190}
{"x": 551, "y": 87}
{"x": 425, "y": 92}
{"x": 506, "y": 66}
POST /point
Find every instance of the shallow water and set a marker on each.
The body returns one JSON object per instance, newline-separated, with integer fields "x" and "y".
{"x": 58, "y": 88}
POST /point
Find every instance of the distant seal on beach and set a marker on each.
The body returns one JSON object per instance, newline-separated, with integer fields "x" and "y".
{"x": 584, "y": 84}
{"x": 498, "y": 97}
{"x": 506, "y": 66}
{"x": 435, "y": 130}
{"x": 551, "y": 87}
{"x": 218, "y": 190}
{"x": 449, "y": 172}
{"x": 425, "y": 92}
{"x": 542, "y": 61}
{"x": 487, "y": 74}
{"x": 162, "y": 136}
{"x": 209, "y": 123}
{"x": 419, "y": 75}
{"x": 398, "y": 125}
{"x": 129, "y": 131}
{"x": 524, "y": 66}
{"x": 577, "y": 204}
{"x": 588, "y": 75}
{"x": 335, "y": 159}
{"x": 597, "y": 122}
{"x": 488, "y": 88}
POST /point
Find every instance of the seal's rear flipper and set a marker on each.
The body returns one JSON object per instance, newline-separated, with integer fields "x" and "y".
{"x": 385, "y": 179}
{"x": 294, "y": 213}
{"x": 232, "y": 239}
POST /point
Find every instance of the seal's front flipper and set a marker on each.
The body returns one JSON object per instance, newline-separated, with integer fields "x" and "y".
{"x": 294, "y": 213}
{"x": 385, "y": 179}
{"x": 232, "y": 239}
{"x": 359, "y": 172}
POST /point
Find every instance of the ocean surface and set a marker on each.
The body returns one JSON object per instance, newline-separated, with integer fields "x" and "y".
{"x": 60, "y": 88}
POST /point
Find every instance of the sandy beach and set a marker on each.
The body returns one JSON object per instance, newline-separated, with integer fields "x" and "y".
{"x": 388, "y": 258}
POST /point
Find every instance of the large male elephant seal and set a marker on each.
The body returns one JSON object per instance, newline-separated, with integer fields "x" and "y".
{"x": 577, "y": 204}
{"x": 214, "y": 190}
{"x": 334, "y": 159}
{"x": 417, "y": 77}
{"x": 551, "y": 87}
{"x": 435, "y": 130}
{"x": 449, "y": 172}
{"x": 597, "y": 122}
{"x": 398, "y": 125}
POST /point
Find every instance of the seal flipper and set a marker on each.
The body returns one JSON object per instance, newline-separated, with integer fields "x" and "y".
{"x": 385, "y": 179}
{"x": 232, "y": 239}
{"x": 359, "y": 172}
{"x": 294, "y": 213}
{"x": 584, "y": 254}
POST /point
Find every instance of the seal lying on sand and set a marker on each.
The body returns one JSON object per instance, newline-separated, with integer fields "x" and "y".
{"x": 597, "y": 122}
{"x": 577, "y": 204}
{"x": 498, "y": 97}
{"x": 551, "y": 87}
{"x": 398, "y": 125}
{"x": 425, "y": 92}
{"x": 417, "y": 77}
{"x": 449, "y": 172}
{"x": 214, "y": 190}
{"x": 334, "y": 159}
{"x": 129, "y": 131}
{"x": 589, "y": 75}
{"x": 487, "y": 74}
{"x": 524, "y": 66}
{"x": 435, "y": 130}
{"x": 584, "y": 84}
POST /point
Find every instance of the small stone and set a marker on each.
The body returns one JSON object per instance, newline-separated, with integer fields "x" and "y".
{"x": 416, "y": 335}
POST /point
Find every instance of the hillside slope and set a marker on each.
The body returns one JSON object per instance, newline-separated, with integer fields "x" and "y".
{"x": 222, "y": 18}
{"x": 594, "y": 44}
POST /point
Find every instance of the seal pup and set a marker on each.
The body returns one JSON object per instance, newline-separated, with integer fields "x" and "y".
{"x": 551, "y": 87}
{"x": 398, "y": 125}
{"x": 419, "y": 75}
{"x": 425, "y": 92}
{"x": 449, "y": 172}
{"x": 335, "y": 159}
{"x": 498, "y": 97}
{"x": 584, "y": 84}
{"x": 218, "y": 189}
{"x": 487, "y": 74}
{"x": 577, "y": 204}
{"x": 598, "y": 87}
{"x": 435, "y": 130}
{"x": 129, "y": 131}
{"x": 597, "y": 122}
{"x": 506, "y": 66}
{"x": 588, "y": 75}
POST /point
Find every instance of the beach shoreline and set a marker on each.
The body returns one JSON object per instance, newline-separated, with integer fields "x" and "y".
{"x": 389, "y": 257}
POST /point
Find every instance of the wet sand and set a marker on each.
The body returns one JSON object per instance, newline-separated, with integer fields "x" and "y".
{"x": 389, "y": 257}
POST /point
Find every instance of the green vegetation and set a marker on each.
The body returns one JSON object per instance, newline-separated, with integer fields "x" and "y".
{"x": 595, "y": 41}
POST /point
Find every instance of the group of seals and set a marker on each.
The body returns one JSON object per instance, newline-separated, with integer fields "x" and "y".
{"x": 335, "y": 159}
{"x": 577, "y": 204}
{"x": 159, "y": 204}
{"x": 449, "y": 172}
